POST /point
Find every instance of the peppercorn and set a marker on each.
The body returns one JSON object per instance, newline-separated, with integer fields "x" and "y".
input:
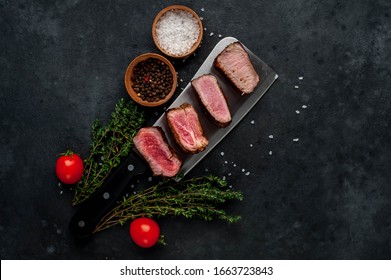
{"x": 152, "y": 80}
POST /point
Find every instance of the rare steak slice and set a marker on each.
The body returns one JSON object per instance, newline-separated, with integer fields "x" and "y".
{"x": 235, "y": 64}
{"x": 152, "y": 144}
{"x": 212, "y": 99}
{"x": 186, "y": 128}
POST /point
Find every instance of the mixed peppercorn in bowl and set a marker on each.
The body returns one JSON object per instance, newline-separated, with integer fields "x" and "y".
{"x": 150, "y": 79}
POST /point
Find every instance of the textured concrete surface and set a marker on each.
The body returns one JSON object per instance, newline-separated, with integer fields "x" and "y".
{"x": 326, "y": 196}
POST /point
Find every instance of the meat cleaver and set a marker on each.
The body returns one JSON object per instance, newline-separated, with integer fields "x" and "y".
{"x": 84, "y": 221}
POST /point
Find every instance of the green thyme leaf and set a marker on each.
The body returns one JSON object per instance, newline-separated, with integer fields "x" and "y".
{"x": 200, "y": 197}
{"x": 110, "y": 143}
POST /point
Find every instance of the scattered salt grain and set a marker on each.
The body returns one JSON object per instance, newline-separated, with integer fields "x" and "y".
{"x": 177, "y": 31}
{"x": 234, "y": 164}
{"x": 230, "y": 187}
{"x": 156, "y": 113}
{"x": 229, "y": 174}
{"x": 150, "y": 179}
{"x": 252, "y": 122}
{"x": 247, "y": 173}
{"x": 206, "y": 169}
{"x": 251, "y": 145}
{"x": 270, "y": 153}
{"x": 211, "y": 34}
{"x": 132, "y": 186}
{"x": 220, "y": 35}
{"x": 181, "y": 80}
{"x": 296, "y": 87}
{"x": 225, "y": 162}
{"x": 224, "y": 178}
{"x": 222, "y": 154}
{"x": 271, "y": 136}
{"x": 61, "y": 192}
{"x": 304, "y": 106}
{"x": 202, "y": 9}
{"x": 243, "y": 170}
{"x": 205, "y": 28}
{"x": 201, "y": 18}
{"x": 295, "y": 139}
{"x": 297, "y": 112}
{"x": 301, "y": 78}
{"x": 59, "y": 184}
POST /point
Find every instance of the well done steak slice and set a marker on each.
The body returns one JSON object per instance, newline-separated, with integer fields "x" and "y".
{"x": 186, "y": 128}
{"x": 235, "y": 64}
{"x": 152, "y": 144}
{"x": 212, "y": 99}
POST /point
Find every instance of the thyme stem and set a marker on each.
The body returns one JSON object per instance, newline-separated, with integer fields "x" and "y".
{"x": 200, "y": 197}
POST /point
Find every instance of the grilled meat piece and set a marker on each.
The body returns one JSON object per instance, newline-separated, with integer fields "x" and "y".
{"x": 212, "y": 98}
{"x": 152, "y": 144}
{"x": 186, "y": 128}
{"x": 234, "y": 62}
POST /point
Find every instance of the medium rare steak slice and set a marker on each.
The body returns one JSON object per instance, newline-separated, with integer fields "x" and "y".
{"x": 186, "y": 128}
{"x": 152, "y": 144}
{"x": 235, "y": 64}
{"x": 212, "y": 98}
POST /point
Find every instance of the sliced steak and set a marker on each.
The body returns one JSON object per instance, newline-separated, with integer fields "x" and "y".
{"x": 235, "y": 64}
{"x": 212, "y": 99}
{"x": 186, "y": 128}
{"x": 152, "y": 144}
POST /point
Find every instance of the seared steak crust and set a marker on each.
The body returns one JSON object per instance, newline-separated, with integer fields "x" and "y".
{"x": 152, "y": 144}
{"x": 212, "y": 99}
{"x": 234, "y": 62}
{"x": 186, "y": 128}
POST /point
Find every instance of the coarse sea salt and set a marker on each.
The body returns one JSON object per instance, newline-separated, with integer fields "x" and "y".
{"x": 177, "y": 31}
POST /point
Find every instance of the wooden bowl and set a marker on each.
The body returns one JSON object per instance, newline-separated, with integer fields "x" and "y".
{"x": 130, "y": 73}
{"x": 181, "y": 8}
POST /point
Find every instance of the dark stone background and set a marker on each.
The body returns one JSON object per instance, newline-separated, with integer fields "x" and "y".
{"x": 326, "y": 196}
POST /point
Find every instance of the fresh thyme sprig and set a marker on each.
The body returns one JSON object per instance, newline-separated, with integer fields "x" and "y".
{"x": 200, "y": 197}
{"x": 109, "y": 144}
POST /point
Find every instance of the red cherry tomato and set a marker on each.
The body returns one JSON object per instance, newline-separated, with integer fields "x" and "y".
{"x": 144, "y": 232}
{"x": 69, "y": 168}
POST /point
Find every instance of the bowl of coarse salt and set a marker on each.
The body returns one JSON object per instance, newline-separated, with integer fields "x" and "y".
{"x": 177, "y": 31}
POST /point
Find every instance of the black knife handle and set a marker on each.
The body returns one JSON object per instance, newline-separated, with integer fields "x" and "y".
{"x": 85, "y": 220}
